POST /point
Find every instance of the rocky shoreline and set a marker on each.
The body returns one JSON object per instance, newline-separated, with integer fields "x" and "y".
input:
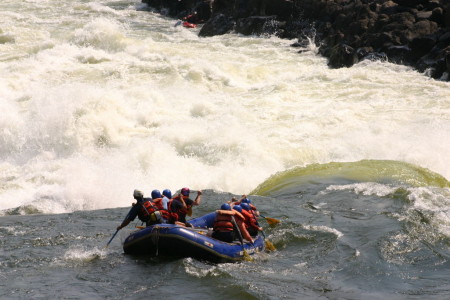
{"x": 415, "y": 33}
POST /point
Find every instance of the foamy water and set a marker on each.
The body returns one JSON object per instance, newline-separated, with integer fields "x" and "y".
{"x": 99, "y": 98}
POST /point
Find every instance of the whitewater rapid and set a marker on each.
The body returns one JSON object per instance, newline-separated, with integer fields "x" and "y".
{"x": 98, "y": 98}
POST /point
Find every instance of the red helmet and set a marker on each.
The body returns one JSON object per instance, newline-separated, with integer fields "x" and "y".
{"x": 185, "y": 191}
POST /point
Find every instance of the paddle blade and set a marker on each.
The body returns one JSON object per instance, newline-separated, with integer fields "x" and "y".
{"x": 269, "y": 245}
{"x": 247, "y": 257}
{"x": 272, "y": 221}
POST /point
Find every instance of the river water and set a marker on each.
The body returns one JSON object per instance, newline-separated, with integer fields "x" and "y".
{"x": 98, "y": 98}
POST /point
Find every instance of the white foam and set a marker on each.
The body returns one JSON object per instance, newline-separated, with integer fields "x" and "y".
{"x": 324, "y": 229}
{"x": 365, "y": 188}
{"x": 96, "y": 102}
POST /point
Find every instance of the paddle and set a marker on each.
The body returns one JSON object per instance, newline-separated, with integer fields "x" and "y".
{"x": 268, "y": 243}
{"x": 246, "y": 255}
{"x": 118, "y": 229}
{"x": 271, "y": 221}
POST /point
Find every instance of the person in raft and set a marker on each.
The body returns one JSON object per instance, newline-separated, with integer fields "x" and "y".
{"x": 251, "y": 222}
{"x": 139, "y": 197}
{"x": 229, "y": 224}
{"x": 152, "y": 210}
{"x": 182, "y": 204}
{"x": 245, "y": 199}
{"x": 167, "y": 197}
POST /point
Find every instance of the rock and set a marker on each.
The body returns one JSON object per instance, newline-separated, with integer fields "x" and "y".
{"x": 256, "y": 25}
{"x": 410, "y": 32}
{"x": 217, "y": 25}
{"x": 342, "y": 56}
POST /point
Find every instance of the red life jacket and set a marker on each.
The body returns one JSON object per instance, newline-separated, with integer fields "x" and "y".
{"x": 250, "y": 220}
{"x": 181, "y": 212}
{"x": 223, "y": 221}
{"x": 147, "y": 208}
{"x": 151, "y": 213}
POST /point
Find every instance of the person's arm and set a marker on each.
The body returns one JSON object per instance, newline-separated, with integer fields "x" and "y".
{"x": 244, "y": 230}
{"x": 183, "y": 203}
{"x": 198, "y": 199}
{"x": 124, "y": 223}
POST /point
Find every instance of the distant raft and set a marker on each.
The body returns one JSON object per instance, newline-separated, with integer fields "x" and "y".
{"x": 177, "y": 241}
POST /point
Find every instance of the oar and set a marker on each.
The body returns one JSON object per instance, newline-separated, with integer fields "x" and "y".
{"x": 268, "y": 243}
{"x": 246, "y": 256}
{"x": 271, "y": 221}
{"x": 118, "y": 229}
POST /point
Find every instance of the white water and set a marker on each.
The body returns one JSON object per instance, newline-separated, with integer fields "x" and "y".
{"x": 98, "y": 98}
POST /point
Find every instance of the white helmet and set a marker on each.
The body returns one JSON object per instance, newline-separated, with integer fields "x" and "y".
{"x": 138, "y": 194}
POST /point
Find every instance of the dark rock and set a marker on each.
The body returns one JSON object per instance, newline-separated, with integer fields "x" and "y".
{"x": 437, "y": 16}
{"x": 421, "y": 46}
{"x": 423, "y": 15}
{"x": 398, "y": 54}
{"x": 256, "y": 25}
{"x": 217, "y": 25}
{"x": 342, "y": 56}
{"x": 281, "y": 8}
{"x": 411, "y": 32}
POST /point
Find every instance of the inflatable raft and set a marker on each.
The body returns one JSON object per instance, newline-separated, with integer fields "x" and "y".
{"x": 178, "y": 241}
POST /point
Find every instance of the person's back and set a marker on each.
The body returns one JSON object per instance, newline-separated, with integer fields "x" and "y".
{"x": 228, "y": 223}
{"x": 250, "y": 219}
{"x": 167, "y": 196}
{"x": 152, "y": 211}
{"x": 182, "y": 204}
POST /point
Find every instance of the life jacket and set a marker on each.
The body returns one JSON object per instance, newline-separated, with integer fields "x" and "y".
{"x": 223, "y": 221}
{"x": 152, "y": 213}
{"x": 180, "y": 211}
{"x": 250, "y": 220}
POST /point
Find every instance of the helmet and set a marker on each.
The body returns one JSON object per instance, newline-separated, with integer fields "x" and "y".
{"x": 246, "y": 206}
{"x": 156, "y": 194}
{"x": 138, "y": 194}
{"x": 237, "y": 208}
{"x": 246, "y": 200}
{"x": 167, "y": 193}
{"x": 185, "y": 191}
{"x": 225, "y": 206}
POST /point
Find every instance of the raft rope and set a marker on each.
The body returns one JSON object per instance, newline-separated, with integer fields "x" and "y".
{"x": 155, "y": 237}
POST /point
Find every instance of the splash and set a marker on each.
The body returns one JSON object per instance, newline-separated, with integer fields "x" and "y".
{"x": 102, "y": 98}
{"x": 77, "y": 255}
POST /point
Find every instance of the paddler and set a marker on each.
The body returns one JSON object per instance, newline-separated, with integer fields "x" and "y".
{"x": 225, "y": 224}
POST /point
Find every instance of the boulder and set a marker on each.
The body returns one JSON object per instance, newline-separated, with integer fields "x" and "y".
{"x": 342, "y": 56}
{"x": 256, "y": 25}
{"x": 217, "y": 25}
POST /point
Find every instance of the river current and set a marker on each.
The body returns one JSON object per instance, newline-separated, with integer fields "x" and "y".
{"x": 98, "y": 98}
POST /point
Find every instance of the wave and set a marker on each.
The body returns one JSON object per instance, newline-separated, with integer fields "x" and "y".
{"x": 378, "y": 171}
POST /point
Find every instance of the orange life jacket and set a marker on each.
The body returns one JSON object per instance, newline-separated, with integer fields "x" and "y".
{"x": 152, "y": 212}
{"x": 223, "y": 221}
{"x": 250, "y": 220}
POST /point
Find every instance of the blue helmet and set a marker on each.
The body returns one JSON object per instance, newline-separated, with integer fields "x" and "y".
{"x": 237, "y": 208}
{"x": 246, "y": 200}
{"x": 167, "y": 193}
{"x": 156, "y": 194}
{"x": 225, "y": 206}
{"x": 246, "y": 206}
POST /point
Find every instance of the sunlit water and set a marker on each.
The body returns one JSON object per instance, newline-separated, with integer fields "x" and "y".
{"x": 98, "y": 98}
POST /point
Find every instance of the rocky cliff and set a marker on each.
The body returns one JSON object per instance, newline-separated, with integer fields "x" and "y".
{"x": 409, "y": 32}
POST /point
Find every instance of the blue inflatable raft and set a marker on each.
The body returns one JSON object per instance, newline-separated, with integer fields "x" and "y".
{"x": 178, "y": 241}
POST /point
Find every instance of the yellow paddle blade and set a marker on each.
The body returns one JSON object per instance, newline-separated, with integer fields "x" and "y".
{"x": 247, "y": 257}
{"x": 269, "y": 245}
{"x": 272, "y": 221}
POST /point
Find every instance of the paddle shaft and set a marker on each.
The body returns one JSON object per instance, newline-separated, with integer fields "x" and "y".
{"x": 115, "y": 233}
